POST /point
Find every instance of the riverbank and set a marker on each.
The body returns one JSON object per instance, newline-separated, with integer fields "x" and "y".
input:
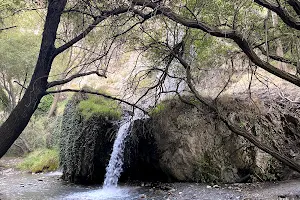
{"x": 19, "y": 185}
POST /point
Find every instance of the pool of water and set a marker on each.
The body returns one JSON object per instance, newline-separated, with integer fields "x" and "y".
{"x": 16, "y": 185}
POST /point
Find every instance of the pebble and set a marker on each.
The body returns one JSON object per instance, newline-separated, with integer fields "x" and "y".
{"x": 216, "y": 186}
{"x": 179, "y": 192}
{"x": 208, "y": 186}
{"x": 143, "y": 196}
{"x": 172, "y": 190}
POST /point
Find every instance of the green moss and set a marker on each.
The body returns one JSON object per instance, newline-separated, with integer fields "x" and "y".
{"x": 158, "y": 109}
{"x": 41, "y": 160}
{"x": 100, "y": 106}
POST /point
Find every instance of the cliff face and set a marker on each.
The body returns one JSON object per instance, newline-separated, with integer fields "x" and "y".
{"x": 182, "y": 143}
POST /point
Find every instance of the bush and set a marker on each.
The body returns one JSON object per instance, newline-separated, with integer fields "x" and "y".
{"x": 41, "y": 160}
{"x": 100, "y": 106}
{"x": 44, "y": 105}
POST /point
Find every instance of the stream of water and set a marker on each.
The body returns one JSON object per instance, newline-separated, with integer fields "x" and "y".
{"x": 113, "y": 170}
{"x": 115, "y": 165}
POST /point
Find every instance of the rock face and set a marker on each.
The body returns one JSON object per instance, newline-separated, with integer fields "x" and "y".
{"x": 142, "y": 155}
{"x": 182, "y": 143}
{"x": 195, "y": 146}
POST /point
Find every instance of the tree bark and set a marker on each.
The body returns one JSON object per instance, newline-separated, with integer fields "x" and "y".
{"x": 12, "y": 94}
{"x": 54, "y": 103}
{"x": 20, "y": 116}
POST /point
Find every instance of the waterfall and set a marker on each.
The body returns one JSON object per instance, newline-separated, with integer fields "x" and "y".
{"x": 115, "y": 165}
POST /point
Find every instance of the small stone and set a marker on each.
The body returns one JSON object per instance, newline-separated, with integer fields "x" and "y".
{"x": 143, "y": 184}
{"x": 143, "y": 196}
{"x": 216, "y": 186}
{"x": 172, "y": 190}
{"x": 40, "y": 179}
{"x": 179, "y": 192}
{"x": 208, "y": 186}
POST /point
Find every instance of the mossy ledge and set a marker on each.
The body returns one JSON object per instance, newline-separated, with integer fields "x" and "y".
{"x": 98, "y": 106}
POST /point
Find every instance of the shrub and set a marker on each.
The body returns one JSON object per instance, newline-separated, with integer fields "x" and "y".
{"x": 100, "y": 106}
{"x": 41, "y": 160}
{"x": 44, "y": 105}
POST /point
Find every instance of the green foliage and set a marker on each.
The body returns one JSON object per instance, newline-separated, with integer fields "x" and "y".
{"x": 159, "y": 108}
{"x": 41, "y": 132}
{"x": 41, "y": 160}
{"x": 100, "y": 106}
{"x": 4, "y": 100}
{"x": 44, "y": 105}
{"x": 21, "y": 50}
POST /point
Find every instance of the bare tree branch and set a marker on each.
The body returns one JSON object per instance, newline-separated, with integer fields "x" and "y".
{"x": 281, "y": 12}
{"x": 98, "y": 19}
{"x": 60, "y": 82}
{"x": 6, "y": 28}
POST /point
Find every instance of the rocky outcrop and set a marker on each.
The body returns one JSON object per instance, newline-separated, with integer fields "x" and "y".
{"x": 86, "y": 145}
{"x": 182, "y": 143}
{"x": 195, "y": 145}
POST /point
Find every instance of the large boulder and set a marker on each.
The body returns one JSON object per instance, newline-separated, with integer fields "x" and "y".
{"x": 195, "y": 145}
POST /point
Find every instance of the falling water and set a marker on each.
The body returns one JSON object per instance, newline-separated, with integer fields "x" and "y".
{"x": 115, "y": 165}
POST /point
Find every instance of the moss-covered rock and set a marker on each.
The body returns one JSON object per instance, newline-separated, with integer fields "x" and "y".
{"x": 85, "y": 143}
{"x": 98, "y": 106}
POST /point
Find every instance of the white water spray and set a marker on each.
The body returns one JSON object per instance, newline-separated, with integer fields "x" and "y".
{"x": 115, "y": 165}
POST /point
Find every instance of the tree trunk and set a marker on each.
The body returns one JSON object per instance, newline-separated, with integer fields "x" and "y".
{"x": 54, "y": 103}
{"x": 21, "y": 114}
{"x": 12, "y": 94}
{"x": 279, "y": 48}
{"x": 57, "y": 95}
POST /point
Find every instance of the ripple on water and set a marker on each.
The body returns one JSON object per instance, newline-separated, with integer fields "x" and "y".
{"x": 111, "y": 193}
